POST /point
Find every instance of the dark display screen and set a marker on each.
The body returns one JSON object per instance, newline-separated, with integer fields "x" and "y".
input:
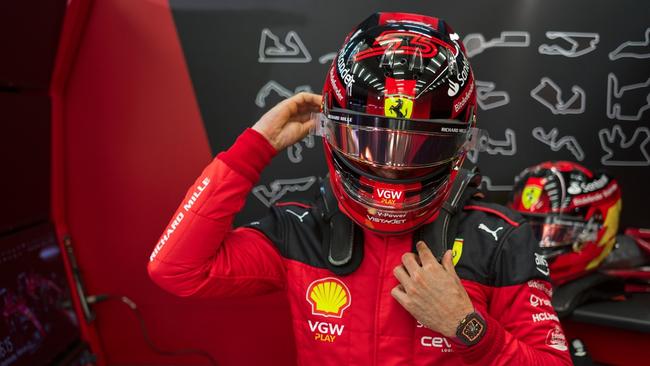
{"x": 37, "y": 325}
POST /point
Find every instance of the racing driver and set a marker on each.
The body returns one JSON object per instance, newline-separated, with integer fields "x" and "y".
{"x": 397, "y": 261}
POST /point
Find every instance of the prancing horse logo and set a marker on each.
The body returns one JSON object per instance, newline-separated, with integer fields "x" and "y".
{"x": 397, "y": 108}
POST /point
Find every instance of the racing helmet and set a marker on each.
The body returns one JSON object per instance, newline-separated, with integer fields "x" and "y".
{"x": 399, "y": 107}
{"x": 574, "y": 214}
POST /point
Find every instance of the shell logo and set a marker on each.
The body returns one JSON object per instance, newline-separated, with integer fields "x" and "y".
{"x": 328, "y": 297}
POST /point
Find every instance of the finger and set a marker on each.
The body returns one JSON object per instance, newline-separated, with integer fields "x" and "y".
{"x": 306, "y": 102}
{"x": 303, "y": 117}
{"x": 308, "y": 107}
{"x": 410, "y": 263}
{"x": 448, "y": 263}
{"x": 425, "y": 254}
{"x": 400, "y": 295}
{"x": 300, "y": 103}
{"x": 401, "y": 275}
{"x": 311, "y": 99}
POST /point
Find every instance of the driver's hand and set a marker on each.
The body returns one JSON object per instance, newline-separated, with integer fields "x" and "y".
{"x": 289, "y": 121}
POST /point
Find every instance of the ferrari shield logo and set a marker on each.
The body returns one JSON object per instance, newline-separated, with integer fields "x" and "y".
{"x": 398, "y": 107}
{"x": 457, "y": 251}
{"x": 530, "y": 196}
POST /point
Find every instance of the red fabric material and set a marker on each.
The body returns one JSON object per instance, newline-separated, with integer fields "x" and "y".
{"x": 513, "y": 320}
{"x": 203, "y": 257}
{"x": 132, "y": 140}
{"x": 74, "y": 23}
{"x": 255, "y": 147}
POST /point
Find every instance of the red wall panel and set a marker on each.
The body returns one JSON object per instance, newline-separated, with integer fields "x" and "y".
{"x": 133, "y": 142}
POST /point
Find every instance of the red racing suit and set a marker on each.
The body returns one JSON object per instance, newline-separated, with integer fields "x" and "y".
{"x": 353, "y": 319}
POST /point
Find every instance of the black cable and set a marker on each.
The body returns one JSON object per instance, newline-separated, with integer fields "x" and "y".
{"x": 145, "y": 333}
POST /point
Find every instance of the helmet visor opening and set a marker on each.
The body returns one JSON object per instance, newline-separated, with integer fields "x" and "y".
{"x": 395, "y": 143}
{"x": 554, "y": 231}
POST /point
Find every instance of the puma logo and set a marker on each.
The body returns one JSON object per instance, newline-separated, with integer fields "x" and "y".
{"x": 492, "y": 232}
{"x": 300, "y": 217}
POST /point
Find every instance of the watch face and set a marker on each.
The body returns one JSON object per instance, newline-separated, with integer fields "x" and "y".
{"x": 472, "y": 330}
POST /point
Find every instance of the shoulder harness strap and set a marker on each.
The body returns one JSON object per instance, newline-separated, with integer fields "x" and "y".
{"x": 440, "y": 234}
{"x": 342, "y": 242}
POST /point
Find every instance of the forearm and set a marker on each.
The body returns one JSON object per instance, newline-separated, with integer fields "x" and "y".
{"x": 197, "y": 230}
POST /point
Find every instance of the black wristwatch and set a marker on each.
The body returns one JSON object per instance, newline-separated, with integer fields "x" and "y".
{"x": 471, "y": 329}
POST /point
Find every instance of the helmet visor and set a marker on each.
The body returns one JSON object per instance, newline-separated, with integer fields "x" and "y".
{"x": 391, "y": 142}
{"x": 558, "y": 231}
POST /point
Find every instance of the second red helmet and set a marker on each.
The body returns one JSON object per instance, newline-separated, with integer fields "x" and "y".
{"x": 573, "y": 212}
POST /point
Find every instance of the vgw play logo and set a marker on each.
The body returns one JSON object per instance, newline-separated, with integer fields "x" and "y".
{"x": 328, "y": 297}
{"x": 388, "y": 196}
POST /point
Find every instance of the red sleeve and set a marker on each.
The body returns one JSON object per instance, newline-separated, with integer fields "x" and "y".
{"x": 199, "y": 254}
{"x": 522, "y": 328}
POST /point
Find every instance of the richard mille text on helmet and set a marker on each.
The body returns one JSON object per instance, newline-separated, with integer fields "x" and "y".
{"x": 396, "y": 261}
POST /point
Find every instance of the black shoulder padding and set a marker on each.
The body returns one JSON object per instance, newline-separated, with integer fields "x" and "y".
{"x": 317, "y": 234}
{"x": 514, "y": 255}
{"x": 519, "y": 258}
{"x": 498, "y": 246}
{"x": 295, "y": 231}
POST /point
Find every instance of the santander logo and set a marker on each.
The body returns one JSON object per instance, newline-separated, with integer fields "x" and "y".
{"x": 388, "y": 196}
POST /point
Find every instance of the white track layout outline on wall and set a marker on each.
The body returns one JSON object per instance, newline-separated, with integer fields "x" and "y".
{"x": 621, "y": 52}
{"x": 475, "y": 43}
{"x": 550, "y": 139}
{"x": 291, "y": 51}
{"x": 558, "y": 106}
{"x": 485, "y": 91}
{"x": 573, "y": 39}
{"x": 294, "y": 152}
{"x": 487, "y": 182}
{"x": 608, "y": 137}
{"x": 277, "y": 189}
{"x": 327, "y": 58}
{"x": 614, "y": 109}
{"x": 272, "y": 85}
{"x": 507, "y": 147}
